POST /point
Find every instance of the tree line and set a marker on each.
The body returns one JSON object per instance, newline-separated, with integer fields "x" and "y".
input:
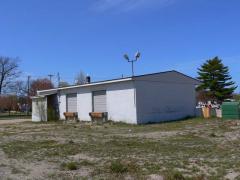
{"x": 216, "y": 84}
{"x": 15, "y": 92}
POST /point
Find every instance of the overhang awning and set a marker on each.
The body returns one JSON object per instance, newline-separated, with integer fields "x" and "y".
{"x": 47, "y": 92}
{"x": 37, "y": 97}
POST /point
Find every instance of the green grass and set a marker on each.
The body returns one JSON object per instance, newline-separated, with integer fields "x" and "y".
{"x": 118, "y": 167}
{"x": 14, "y": 115}
{"x": 191, "y": 149}
{"x": 30, "y": 150}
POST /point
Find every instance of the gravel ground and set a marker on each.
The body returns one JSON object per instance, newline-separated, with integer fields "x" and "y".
{"x": 191, "y": 149}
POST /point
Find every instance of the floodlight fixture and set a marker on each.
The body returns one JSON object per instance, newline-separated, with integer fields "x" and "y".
{"x": 137, "y": 56}
{"x": 126, "y": 57}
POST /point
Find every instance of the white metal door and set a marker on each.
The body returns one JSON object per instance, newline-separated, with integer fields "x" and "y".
{"x": 99, "y": 101}
{"x": 72, "y": 103}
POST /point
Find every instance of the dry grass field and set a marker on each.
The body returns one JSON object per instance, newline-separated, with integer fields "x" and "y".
{"x": 190, "y": 149}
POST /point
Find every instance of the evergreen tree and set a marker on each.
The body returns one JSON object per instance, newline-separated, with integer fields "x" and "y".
{"x": 216, "y": 80}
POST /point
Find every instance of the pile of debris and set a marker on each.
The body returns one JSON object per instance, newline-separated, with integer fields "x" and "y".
{"x": 210, "y": 109}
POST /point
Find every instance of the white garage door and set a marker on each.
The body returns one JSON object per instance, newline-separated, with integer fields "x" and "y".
{"x": 99, "y": 101}
{"x": 72, "y": 103}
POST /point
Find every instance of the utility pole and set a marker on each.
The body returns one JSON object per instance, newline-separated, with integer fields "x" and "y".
{"x": 58, "y": 93}
{"x": 50, "y": 77}
{"x": 28, "y": 94}
{"x": 58, "y": 78}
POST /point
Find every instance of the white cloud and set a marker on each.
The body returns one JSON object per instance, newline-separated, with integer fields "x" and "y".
{"x": 127, "y": 5}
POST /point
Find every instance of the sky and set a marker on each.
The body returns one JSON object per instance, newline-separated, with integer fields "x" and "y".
{"x": 68, "y": 36}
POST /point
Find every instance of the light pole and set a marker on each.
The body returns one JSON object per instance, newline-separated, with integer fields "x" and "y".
{"x": 137, "y": 56}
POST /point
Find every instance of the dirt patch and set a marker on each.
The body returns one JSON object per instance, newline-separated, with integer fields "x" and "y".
{"x": 81, "y": 156}
{"x": 184, "y": 149}
{"x": 13, "y": 121}
{"x": 232, "y": 175}
{"x": 155, "y": 177}
{"x": 232, "y": 136}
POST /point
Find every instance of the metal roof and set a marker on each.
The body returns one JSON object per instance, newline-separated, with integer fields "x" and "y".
{"x": 86, "y": 85}
{"x": 54, "y": 91}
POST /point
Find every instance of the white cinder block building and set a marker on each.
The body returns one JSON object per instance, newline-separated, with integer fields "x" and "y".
{"x": 149, "y": 98}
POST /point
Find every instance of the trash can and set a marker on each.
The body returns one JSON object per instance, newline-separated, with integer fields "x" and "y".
{"x": 231, "y": 110}
{"x": 218, "y": 113}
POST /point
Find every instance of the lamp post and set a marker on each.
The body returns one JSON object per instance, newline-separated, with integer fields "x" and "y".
{"x": 137, "y": 56}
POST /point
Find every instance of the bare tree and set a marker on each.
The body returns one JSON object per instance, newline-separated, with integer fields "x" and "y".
{"x": 3, "y": 104}
{"x": 40, "y": 84}
{"x": 19, "y": 88}
{"x": 9, "y": 103}
{"x": 9, "y": 72}
{"x": 80, "y": 78}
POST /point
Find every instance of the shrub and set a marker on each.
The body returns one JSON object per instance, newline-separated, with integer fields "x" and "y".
{"x": 69, "y": 166}
{"x": 175, "y": 175}
{"x": 213, "y": 135}
{"x": 121, "y": 167}
{"x": 52, "y": 116}
{"x": 118, "y": 167}
{"x": 178, "y": 176}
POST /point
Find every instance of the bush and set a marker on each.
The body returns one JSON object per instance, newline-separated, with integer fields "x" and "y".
{"x": 213, "y": 135}
{"x": 69, "y": 166}
{"x": 178, "y": 176}
{"x": 52, "y": 114}
{"x": 118, "y": 167}
{"x": 175, "y": 175}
